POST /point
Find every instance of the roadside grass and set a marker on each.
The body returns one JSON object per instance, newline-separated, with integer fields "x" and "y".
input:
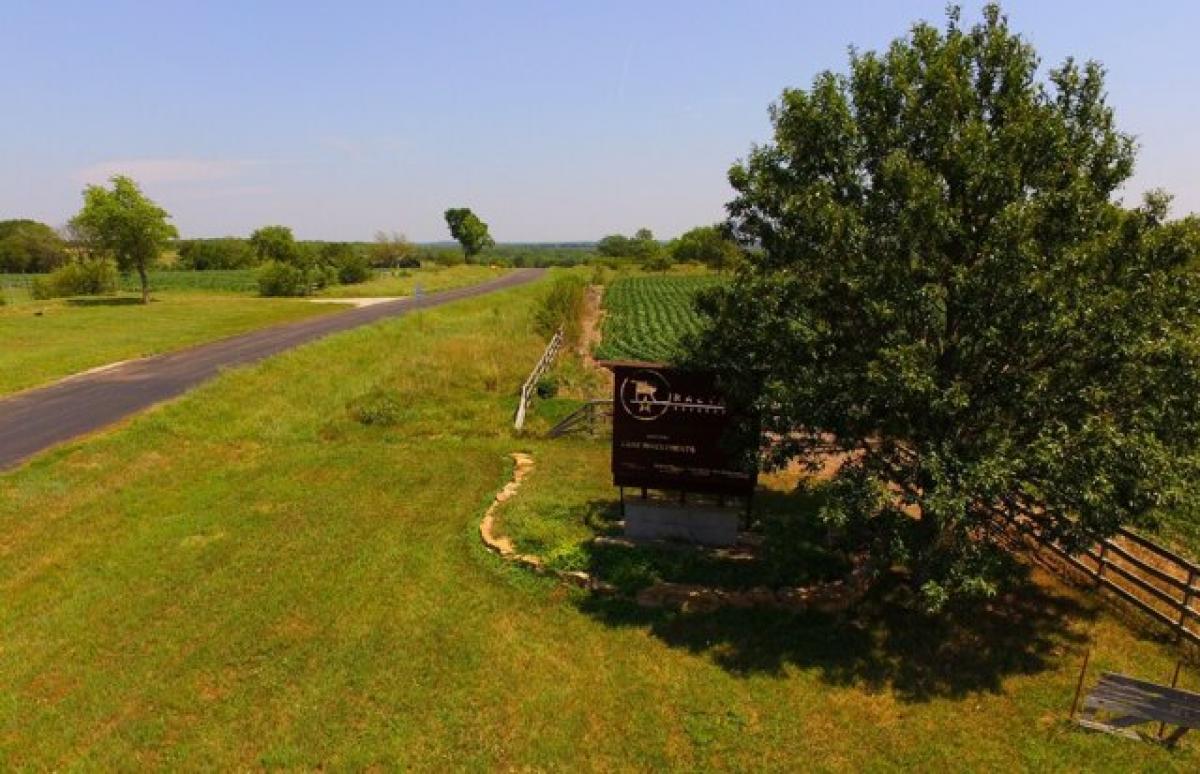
{"x": 251, "y": 577}
{"x": 403, "y": 282}
{"x": 41, "y": 341}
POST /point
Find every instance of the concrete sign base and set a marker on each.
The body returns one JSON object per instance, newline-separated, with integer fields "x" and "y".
{"x": 709, "y": 525}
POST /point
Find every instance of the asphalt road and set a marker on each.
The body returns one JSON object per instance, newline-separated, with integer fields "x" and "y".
{"x": 38, "y": 419}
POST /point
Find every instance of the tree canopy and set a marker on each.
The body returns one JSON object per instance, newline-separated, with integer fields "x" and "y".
{"x": 206, "y": 254}
{"x": 29, "y": 246}
{"x": 708, "y": 245}
{"x": 275, "y": 243}
{"x": 642, "y": 246}
{"x": 393, "y": 250}
{"x": 469, "y": 230}
{"x": 944, "y": 290}
{"x": 125, "y": 224}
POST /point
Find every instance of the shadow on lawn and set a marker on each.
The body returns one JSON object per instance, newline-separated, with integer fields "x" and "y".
{"x": 106, "y": 301}
{"x": 883, "y": 643}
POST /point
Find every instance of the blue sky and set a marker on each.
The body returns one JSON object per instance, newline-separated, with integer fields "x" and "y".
{"x": 553, "y": 120}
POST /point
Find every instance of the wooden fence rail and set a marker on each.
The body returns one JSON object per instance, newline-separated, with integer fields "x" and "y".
{"x": 530, "y": 385}
{"x": 585, "y": 417}
{"x": 1155, "y": 580}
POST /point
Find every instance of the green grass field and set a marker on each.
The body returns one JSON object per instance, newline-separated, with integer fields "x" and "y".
{"x": 249, "y": 577}
{"x": 41, "y": 341}
{"x": 647, "y": 315}
{"x": 47, "y": 340}
{"x": 429, "y": 279}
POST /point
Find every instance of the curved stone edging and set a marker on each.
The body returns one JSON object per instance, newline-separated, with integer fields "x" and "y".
{"x": 826, "y": 597}
{"x": 504, "y": 548}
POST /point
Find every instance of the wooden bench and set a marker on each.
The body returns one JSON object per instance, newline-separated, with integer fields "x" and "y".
{"x": 1119, "y": 702}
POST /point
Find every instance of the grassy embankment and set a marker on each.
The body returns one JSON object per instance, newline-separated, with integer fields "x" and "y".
{"x": 250, "y": 576}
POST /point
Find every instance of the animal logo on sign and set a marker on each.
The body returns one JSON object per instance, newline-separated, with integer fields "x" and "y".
{"x": 640, "y": 395}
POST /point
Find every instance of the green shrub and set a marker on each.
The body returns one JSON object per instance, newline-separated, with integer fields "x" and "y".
{"x": 87, "y": 277}
{"x": 562, "y": 308}
{"x": 282, "y": 279}
{"x": 379, "y": 408}
{"x": 352, "y": 267}
{"x": 210, "y": 254}
{"x": 547, "y": 387}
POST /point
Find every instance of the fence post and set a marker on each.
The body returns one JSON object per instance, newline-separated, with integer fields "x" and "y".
{"x": 1079, "y": 684}
{"x": 1100, "y": 563}
{"x": 1183, "y": 610}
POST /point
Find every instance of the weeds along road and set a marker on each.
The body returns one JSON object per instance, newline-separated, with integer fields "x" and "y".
{"x": 37, "y": 419}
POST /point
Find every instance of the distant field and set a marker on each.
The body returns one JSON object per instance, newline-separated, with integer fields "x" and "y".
{"x": 14, "y": 288}
{"x": 647, "y": 316}
{"x": 405, "y": 281}
{"x": 41, "y": 341}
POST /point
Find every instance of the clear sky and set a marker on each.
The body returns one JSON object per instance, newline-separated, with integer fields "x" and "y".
{"x": 553, "y": 120}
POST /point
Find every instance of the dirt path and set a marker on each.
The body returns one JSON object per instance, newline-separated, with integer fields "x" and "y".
{"x": 37, "y": 419}
{"x": 593, "y": 332}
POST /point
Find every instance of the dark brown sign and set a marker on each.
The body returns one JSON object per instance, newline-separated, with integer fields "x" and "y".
{"x": 669, "y": 432}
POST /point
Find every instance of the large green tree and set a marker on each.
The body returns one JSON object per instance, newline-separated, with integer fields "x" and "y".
{"x": 945, "y": 290}
{"x": 122, "y": 222}
{"x": 29, "y": 246}
{"x": 469, "y": 230}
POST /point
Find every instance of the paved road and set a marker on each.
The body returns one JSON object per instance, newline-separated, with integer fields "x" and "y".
{"x": 37, "y": 419}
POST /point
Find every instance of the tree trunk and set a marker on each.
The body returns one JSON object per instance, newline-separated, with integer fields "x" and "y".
{"x": 145, "y": 283}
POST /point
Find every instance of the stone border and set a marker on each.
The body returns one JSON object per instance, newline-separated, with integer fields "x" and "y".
{"x": 831, "y": 597}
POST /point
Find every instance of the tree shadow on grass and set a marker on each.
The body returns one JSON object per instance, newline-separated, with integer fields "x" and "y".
{"x": 882, "y": 644}
{"x": 105, "y": 301}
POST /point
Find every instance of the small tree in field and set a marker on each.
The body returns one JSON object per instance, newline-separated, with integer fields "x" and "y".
{"x": 275, "y": 243}
{"x": 469, "y": 230}
{"x": 124, "y": 223}
{"x": 945, "y": 290}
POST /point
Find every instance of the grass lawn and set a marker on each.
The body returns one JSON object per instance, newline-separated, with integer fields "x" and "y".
{"x": 41, "y": 341}
{"x": 251, "y": 577}
{"x": 403, "y": 282}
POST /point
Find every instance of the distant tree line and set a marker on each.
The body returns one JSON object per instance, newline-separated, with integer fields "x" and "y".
{"x": 120, "y": 230}
{"x": 707, "y": 245}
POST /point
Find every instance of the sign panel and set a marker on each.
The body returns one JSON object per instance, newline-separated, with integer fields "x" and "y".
{"x": 669, "y": 432}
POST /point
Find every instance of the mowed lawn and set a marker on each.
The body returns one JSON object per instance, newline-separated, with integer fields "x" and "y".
{"x": 250, "y": 577}
{"x": 41, "y": 341}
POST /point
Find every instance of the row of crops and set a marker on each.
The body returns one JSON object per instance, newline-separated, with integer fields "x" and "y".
{"x": 647, "y": 317}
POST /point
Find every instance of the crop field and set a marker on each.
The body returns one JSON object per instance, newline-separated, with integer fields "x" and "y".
{"x": 223, "y": 280}
{"x": 647, "y": 317}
